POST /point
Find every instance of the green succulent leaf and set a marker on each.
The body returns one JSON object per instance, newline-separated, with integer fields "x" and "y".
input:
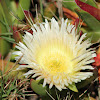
{"x": 92, "y": 22}
{"x": 70, "y": 4}
{"x": 5, "y": 22}
{"x": 23, "y": 5}
{"x": 38, "y": 88}
{"x": 73, "y": 87}
{"x": 4, "y": 47}
{"x": 5, "y": 14}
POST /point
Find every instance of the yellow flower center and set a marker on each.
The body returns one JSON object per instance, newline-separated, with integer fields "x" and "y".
{"x": 55, "y": 59}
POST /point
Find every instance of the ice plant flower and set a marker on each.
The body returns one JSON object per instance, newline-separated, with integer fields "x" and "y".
{"x": 56, "y": 53}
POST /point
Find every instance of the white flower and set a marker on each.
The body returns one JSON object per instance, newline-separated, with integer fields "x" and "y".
{"x": 56, "y": 54}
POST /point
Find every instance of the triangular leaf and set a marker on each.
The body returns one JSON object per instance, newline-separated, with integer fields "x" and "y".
{"x": 73, "y": 87}
{"x": 38, "y": 88}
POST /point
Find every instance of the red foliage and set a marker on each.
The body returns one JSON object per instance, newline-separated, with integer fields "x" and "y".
{"x": 76, "y": 22}
{"x": 28, "y": 16}
{"x": 16, "y": 34}
{"x": 88, "y": 8}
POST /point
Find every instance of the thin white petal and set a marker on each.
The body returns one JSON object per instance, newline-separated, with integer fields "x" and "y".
{"x": 28, "y": 73}
{"x": 39, "y": 78}
{"x": 44, "y": 83}
{"x": 51, "y": 84}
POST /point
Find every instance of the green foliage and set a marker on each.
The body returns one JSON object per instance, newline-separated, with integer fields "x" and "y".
{"x": 11, "y": 88}
{"x": 6, "y": 87}
{"x": 5, "y": 16}
{"x": 70, "y": 4}
{"x": 93, "y": 30}
{"x": 5, "y": 21}
{"x": 4, "y": 47}
{"x": 73, "y": 87}
{"x": 38, "y": 87}
{"x": 93, "y": 25}
{"x": 50, "y": 10}
{"x": 23, "y": 5}
{"x": 8, "y": 39}
{"x": 92, "y": 22}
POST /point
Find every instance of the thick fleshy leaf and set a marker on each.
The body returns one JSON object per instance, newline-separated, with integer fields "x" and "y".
{"x": 5, "y": 23}
{"x": 12, "y": 5}
{"x": 4, "y": 47}
{"x": 73, "y": 87}
{"x": 38, "y": 87}
{"x": 91, "y": 22}
{"x": 6, "y": 14}
{"x": 93, "y": 25}
{"x": 23, "y": 5}
{"x": 88, "y": 8}
{"x": 70, "y": 4}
